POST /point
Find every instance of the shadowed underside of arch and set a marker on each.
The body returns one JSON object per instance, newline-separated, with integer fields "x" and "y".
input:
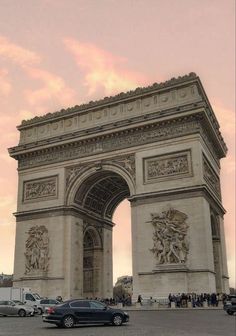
{"x": 102, "y": 192}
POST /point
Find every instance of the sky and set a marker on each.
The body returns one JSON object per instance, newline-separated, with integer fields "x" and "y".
{"x": 59, "y": 53}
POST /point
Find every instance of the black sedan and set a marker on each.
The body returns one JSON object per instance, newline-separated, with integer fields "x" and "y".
{"x": 74, "y": 312}
{"x": 230, "y": 304}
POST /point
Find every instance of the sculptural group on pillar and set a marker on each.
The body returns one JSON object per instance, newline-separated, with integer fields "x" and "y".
{"x": 170, "y": 244}
{"x": 37, "y": 249}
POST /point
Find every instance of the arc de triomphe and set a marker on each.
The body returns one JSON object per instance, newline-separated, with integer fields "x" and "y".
{"x": 158, "y": 146}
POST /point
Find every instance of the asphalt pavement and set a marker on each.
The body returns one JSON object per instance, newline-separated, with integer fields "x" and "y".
{"x": 175, "y": 322}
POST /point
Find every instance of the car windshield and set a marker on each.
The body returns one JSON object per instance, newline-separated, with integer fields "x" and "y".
{"x": 19, "y": 303}
{"x": 37, "y": 296}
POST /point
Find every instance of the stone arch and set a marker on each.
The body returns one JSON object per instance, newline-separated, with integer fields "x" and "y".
{"x": 93, "y": 237}
{"x": 95, "y": 193}
{"x": 92, "y": 262}
{"x": 154, "y": 145}
{"x": 113, "y": 183}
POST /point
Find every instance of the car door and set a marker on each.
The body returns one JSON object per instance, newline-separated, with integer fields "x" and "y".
{"x": 99, "y": 312}
{"x": 81, "y": 310}
{"x": 3, "y": 307}
{"x": 11, "y": 309}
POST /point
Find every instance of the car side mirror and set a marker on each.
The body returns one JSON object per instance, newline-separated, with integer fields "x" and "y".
{"x": 13, "y": 304}
{"x": 105, "y": 308}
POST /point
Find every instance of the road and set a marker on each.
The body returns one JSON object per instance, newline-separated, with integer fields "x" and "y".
{"x": 142, "y": 323}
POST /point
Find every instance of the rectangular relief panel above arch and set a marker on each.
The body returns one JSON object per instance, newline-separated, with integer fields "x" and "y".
{"x": 169, "y": 166}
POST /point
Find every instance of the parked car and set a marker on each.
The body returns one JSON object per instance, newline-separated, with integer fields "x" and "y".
{"x": 44, "y": 304}
{"x": 230, "y": 304}
{"x": 74, "y": 312}
{"x": 12, "y": 308}
{"x": 19, "y": 303}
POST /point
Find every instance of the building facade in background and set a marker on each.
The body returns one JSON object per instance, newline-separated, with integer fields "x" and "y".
{"x": 159, "y": 147}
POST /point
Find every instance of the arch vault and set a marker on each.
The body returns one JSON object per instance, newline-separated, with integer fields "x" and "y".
{"x": 158, "y": 146}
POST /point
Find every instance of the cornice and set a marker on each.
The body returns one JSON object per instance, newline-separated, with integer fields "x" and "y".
{"x": 75, "y": 211}
{"x": 113, "y": 126}
{"x": 180, "y": 193}
{"x": 157, "y": 102}
{"x": 127, "y": 138}
{"x": 112, "y": 99}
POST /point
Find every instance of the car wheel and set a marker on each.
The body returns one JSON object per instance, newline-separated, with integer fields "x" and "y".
{"x": 68, "y": 321}
{"x": 230, "y": 312}
{"x": 117, "y": 320}
{"x": 40, "y": 311}
{"x": 22, "y": 313}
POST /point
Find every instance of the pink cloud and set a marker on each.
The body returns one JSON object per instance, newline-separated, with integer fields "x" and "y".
{"x": 103, "y": 69}
{"x": 52, "y": 94}
{"x": 54, "y": 88}
{"x": 5, "y": 86}
{"x": 17, "y": 54}
{"x": 226, "y": 118}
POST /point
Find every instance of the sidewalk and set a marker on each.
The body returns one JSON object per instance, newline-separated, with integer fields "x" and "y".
{"x": 155, "y": 307}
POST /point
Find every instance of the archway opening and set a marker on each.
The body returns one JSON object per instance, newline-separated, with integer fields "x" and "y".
{"x": 97, "y": 198}
{"x": 216, "y": 244}
{"x": 122, "y": 241}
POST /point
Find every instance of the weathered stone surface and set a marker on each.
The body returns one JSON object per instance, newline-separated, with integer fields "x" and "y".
{"x": 160, "y": 147}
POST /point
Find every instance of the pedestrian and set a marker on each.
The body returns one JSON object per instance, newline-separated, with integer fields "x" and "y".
{"x": 140, "y": 299}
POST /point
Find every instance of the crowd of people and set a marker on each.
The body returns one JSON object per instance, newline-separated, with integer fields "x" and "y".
{"x": 180, "y": 300}
{"x": 196, "y": 300}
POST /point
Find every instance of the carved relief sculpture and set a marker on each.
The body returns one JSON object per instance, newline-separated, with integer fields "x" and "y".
{"x": 42, "y": 188}
{"x": 37, "y": 250}
{"x": 170, "y": 244}
{"x": 177, "y": 164}
{"x": 211, "y": 177}
{"x": 127, "y": 162}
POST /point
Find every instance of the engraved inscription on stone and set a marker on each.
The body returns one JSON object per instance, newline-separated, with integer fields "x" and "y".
{"x": 167, "y": 166}
{"x": 37, "y": 250}
{"x": 40, "y": 189}
{"x": 170, "y": 245}
{"x": 210, "y": 176}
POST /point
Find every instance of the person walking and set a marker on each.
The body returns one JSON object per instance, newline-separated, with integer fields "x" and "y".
{"x": 140, "y": 299}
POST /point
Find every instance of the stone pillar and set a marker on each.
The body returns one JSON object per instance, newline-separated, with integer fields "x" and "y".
{"x": 224, "y": 274}
{"x": 107, "y": 291}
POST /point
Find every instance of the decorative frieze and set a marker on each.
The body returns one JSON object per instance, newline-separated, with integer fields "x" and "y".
{"x": 40, "y": 189}
{"x": 37, "y": 250}
{"x": 114, "y": 141}
{"x": 211, "y": 177}
{"x": 140, "y": 102}
{"x": 170, "y": 245}
{"x": 127, "y": 162}
{"x": 169, "y": 166}
{"x": 112, "y": 99}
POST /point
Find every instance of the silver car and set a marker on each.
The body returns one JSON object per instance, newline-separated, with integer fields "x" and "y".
{"x": 48, "y": 303}
{"x": 12, "y": 308}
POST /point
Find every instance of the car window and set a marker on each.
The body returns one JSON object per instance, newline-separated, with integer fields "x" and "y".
{"x": 52, "y": 301}
{"x": 29, "y": 297}
{"x": 18, "y": 302}
{"x": 96, "y": 305}
{"x": 44, "y": 301}
{"x": 80, "y": 304}
{"x": 3, "y": 303}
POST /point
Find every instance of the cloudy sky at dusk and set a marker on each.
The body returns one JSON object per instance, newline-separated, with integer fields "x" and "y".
{"x": 59, "y": 53}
